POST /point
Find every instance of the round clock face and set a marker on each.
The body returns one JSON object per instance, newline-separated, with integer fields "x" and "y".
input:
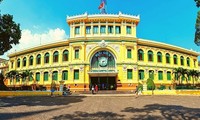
{"x": 103, "y": 61}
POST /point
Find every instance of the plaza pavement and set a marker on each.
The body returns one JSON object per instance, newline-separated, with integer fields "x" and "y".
{"x": 100, "y": 107}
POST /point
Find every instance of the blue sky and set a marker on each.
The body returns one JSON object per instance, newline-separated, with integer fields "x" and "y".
{"x": 168, "y": 21}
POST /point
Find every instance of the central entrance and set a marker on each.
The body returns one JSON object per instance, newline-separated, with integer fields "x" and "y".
{"x": 104, "y": 83}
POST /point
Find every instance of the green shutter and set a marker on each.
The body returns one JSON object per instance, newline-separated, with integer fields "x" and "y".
{"x": 76, "y": 74}
{"x": 151, "y": 75}
{"x": 65, "y": 75}
{"x": 128, "y": 53}
{"x": 37, "y": 76}
{"x": 46, "y": 76}
{"x": 160, "y": 75}
{"x": 129, "y": 74}
{"x": 141, "y": 74}
{"x": 168, "y": 75}
{"x": 76, "y": 54}
{"x": 55, "y": 75}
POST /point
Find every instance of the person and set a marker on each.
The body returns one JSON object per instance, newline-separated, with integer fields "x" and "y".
{"x": 64, "y": 90}
{"x": 136, "y": 91}
{"x": 92, "y": 89}
{"x": 53, "y": 88}
{"x": 96, "y": 88}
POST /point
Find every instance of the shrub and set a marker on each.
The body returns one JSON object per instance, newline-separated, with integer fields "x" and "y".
{"x": 150, "y": 84}
{"x": 162, "y": 87}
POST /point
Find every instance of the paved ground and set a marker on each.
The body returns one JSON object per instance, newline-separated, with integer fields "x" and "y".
{"x": 101, "y": 107}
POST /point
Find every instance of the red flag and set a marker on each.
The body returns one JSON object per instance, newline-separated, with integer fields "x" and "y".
{"x": 101, "y": 5}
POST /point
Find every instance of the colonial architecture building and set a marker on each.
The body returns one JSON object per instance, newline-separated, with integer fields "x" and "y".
{"x": 102, "y": 49}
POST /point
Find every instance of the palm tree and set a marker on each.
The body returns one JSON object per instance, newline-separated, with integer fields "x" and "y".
{"x": 27, "y": 75}
{"x": 12, "y": 75}
{"x": 194, "y": 74}
{"x": 183, "y": 73}
{"x": 177, "y": 72}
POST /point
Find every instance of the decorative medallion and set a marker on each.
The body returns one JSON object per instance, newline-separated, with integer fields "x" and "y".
{"x": 103, "y": 44}
{"x": 81, "y": 68}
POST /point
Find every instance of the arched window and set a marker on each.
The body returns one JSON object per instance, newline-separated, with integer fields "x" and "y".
{"x": 31, "y": 60}
{"x": 182, "y": 60}
{"x": 140, "y": 55}
{"x": 55, "y": 56}
{"x": 188, "y": 61}
{"x": 38, "y": 76}
{"x": 151, "y": 74}
{"x": 55, "y": 75}
{"x": 65, "y": 75}
{"x": 46, "y": 58}
{"x": 159, "y": 57}
{"x": 18, "y": 63}
{"x": 38, "y": 59}
{"x": 168, "y": 75}
{"x": 46, "y": 76}
{"x": 167, "y": 58}
{"x": 24, "y": 61}
{"x": 150, "y": 56}
{"x": 65, "y": 55}
{"x": 175, "y": 59}
{"x": 160, "y": 75}
{"x": 141, "y": 74}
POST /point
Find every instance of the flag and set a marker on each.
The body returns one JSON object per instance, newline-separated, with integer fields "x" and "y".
{"x": 101, "y": 5}
{"x": 104, "y": 1}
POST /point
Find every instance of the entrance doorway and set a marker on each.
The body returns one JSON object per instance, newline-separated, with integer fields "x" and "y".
{"x": 104, "y": 83}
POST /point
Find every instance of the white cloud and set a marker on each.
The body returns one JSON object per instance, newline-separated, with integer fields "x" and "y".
{"x": 29, "y": 39}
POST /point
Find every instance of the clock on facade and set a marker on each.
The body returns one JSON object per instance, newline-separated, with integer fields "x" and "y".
{"x": 103, "y": 61}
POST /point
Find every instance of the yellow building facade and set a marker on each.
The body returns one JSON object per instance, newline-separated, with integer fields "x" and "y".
{"x": 102, "y": 50}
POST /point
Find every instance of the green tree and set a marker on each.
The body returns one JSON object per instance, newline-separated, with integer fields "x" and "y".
{"x": 26, "y": 75}
{"x": 10, "y": 32}
{"x": 12, "y": 75}
{"x": 177, "y": 74}
{"x": 197, "y": 3}
{"x": 151, "y": 85}
{"x": 2, "y": 85}
{"x": 183, "y": 73}
{"x": 197, "y": 26}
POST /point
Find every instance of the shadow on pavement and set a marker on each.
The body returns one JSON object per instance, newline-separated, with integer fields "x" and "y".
{"x": 38, "y": 101}
{"x": 88, "y": 116}
{"x": 169, "y": 112}
{"x": 6, "y": 116}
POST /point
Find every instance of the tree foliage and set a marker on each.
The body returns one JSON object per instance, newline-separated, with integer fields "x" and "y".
{"x": 2, "y": 85}
{"x": 197, "y": 3}
{"x": 197, "y": 27}
{"x": 10, "y": 33}
{"x": 150, "y": 84}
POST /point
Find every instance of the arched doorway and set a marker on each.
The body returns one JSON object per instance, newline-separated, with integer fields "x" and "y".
{"x": 103, "y": 70}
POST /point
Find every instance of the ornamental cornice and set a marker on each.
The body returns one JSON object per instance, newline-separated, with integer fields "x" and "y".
{"x": 103, "y": 17}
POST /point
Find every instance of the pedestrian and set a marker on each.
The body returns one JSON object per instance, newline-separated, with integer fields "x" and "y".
{"x": 136, "y": 91}
{"x": 64, "y": 90}
{"x": 92, "y": 89}
{"x": 96, "y": 88}
{"x": 53, "y": 88}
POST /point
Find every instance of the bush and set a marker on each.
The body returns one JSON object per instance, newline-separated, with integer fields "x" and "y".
{"x": 140, "y": 87}
{"x": 184, "y": 87}
{"x": 162, "y": 87}
{"x": 150, "y": 84}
